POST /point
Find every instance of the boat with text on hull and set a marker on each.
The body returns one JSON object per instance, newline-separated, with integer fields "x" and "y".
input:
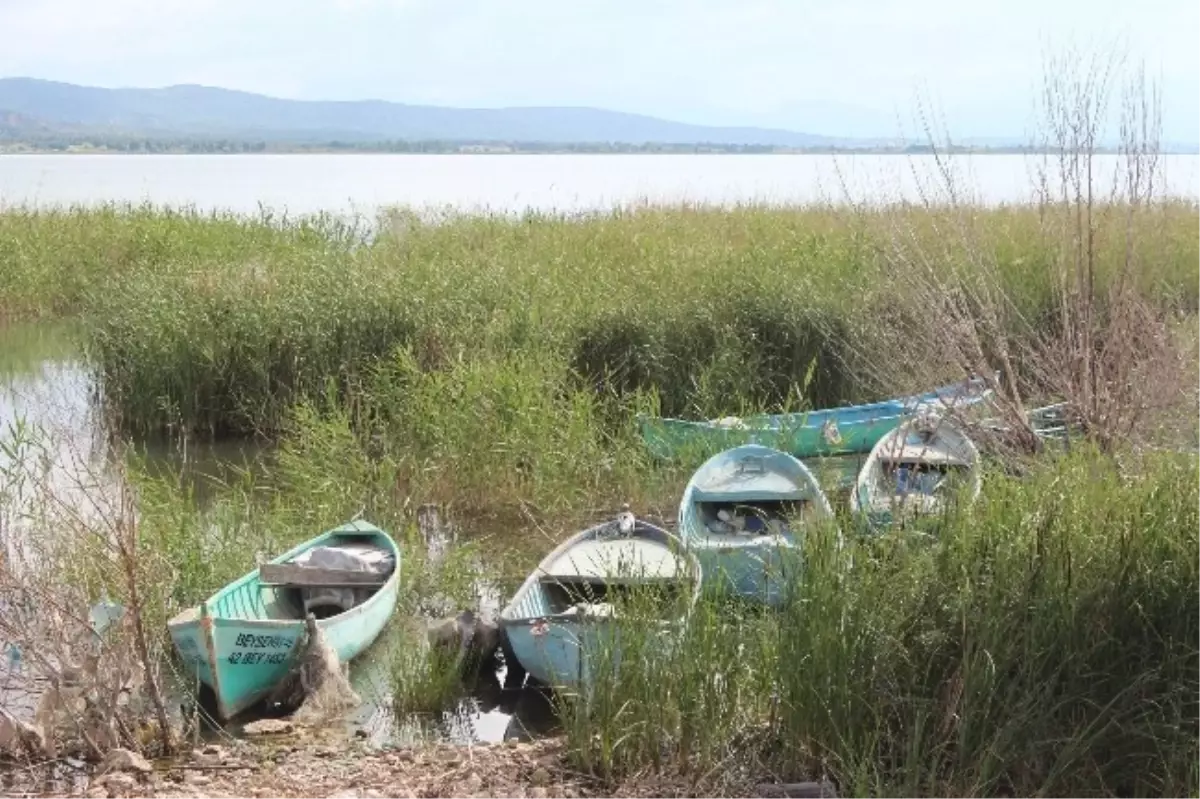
{"x": 241, "y": 641}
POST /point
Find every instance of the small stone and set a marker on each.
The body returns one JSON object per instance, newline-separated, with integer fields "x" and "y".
{"x": 119, "y": 784}
{"x": 125, "y": 760}
{"x": 537, "y": 792}
{"x": 361, "y": 733}
{"x": 269, "y": 727}
{"x": 348, "y": 794}
{"x": 197, "y": 779}
{"x": 822, "y": 790}
{"x": 540, "y": 777}
{"x": 97, "y": 792}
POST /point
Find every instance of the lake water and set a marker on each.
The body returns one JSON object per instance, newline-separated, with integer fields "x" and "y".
{"x": 302, "y": 184}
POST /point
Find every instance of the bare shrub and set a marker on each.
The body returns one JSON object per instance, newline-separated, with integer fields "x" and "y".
{"x": 80, "y": 674}
{"x": 1080, "y": 328}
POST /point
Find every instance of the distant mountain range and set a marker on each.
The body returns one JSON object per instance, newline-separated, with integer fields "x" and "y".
{"x": 39, "y": 111}
{"x": 49, "y": 115}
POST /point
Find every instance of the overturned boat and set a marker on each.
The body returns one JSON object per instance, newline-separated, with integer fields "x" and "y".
{"x": 807, "y": 434}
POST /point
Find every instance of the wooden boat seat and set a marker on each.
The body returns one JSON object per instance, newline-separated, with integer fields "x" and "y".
{"x": 292, "y": 575}
{"x": 622, "y": 560}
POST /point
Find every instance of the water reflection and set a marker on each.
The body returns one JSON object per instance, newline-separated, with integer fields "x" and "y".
{"x": 46, "y": 399}
{"x": 46, "y": 396}
{"x": 485, "y": 713}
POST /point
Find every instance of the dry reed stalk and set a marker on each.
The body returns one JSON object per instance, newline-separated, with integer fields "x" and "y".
{"x": 87, "y": 681}
{"x": 1107, "y": 352}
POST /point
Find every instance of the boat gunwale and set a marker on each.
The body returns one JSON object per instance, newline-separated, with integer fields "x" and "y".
{"x": 536, "y": 578}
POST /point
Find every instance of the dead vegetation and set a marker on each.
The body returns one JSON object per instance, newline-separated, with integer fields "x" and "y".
{"x": 1103, "y": 347}
{"x": 80, "y": 677}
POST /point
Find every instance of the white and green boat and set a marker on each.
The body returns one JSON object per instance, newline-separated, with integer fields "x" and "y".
{"x": 744, "y": 514}
{"x": 241, "y": 641}
{"x": 914, "y": 470}
{"x": 566, "y": 617}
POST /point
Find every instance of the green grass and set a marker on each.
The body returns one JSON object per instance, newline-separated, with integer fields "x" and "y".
{"x": 708, "y": 310}
{"x": 51, "y": 259}
{"x": 1045, "y": 644}
{"x": 498, "y": 360}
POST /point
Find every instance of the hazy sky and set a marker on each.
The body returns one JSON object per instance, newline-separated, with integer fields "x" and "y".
{"x": 836, "y": 67}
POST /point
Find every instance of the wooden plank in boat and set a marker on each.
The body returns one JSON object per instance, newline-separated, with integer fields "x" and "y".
{"x": 293, "y": 574}
{"x": 629, "y": 560}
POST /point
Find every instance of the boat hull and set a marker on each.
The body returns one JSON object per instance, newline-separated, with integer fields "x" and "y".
{"x": 560, "y": 653}
{"x": 796, "y": 435}
{"x": 833, "y": 431}
{"x": 242, "y": 658}
{"x": 759, "y": 571}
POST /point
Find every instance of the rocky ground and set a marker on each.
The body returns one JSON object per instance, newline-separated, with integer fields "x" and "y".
{"x": 517, "y": 770}
{"x": 286, "y": 761}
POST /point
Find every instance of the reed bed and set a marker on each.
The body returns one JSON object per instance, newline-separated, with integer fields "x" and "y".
{"x": 217, "y": 326}
{"x": 1044, "y": 644}
{"x": 502, "y": 359}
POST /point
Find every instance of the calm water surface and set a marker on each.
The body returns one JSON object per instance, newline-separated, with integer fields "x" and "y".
{"x": 301, "y": 184}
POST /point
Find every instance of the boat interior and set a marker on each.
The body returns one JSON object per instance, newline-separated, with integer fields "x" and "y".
{"x": 327, "y": 580}
{"x": 752, "y": 517}
{"x": 598, "y": 598}
{"x": 918, "y": 475}
{"x": 592, "y": 574}
{"x": 917, "y": 484}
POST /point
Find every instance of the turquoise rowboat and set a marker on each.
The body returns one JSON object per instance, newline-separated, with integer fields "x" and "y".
{"x": 241, "y": 641}
{"x": 743, "y": 514}
{"x": 563, "y": 623}
{"x": 914, "y": 470}
{"x": 809, "y": 434}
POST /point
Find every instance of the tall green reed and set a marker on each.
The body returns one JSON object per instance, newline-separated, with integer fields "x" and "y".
{"x": 219, "y": 325}
{"x": 1044, "y": 642}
